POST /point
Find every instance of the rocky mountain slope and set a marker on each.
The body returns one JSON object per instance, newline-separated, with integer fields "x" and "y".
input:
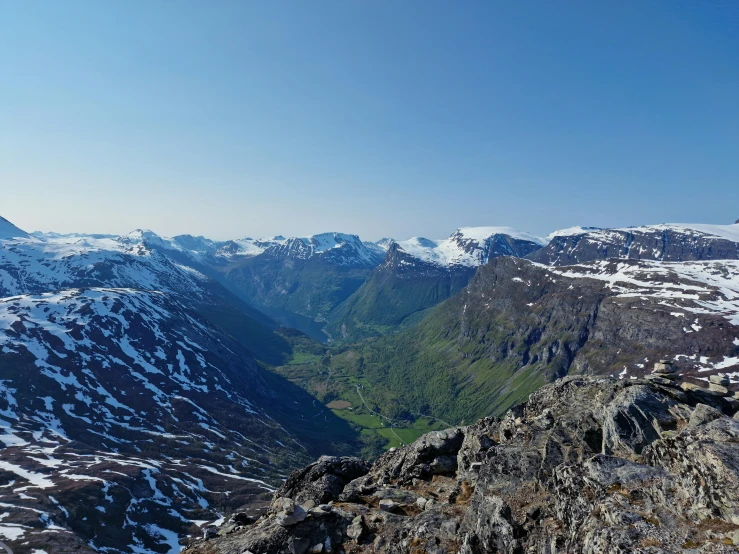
{"x": 418, "y": 274}
{"x": 297, "y": 281}
{"x": 669, "y": 242}
{"x": 309, "y": 276}
{"x": 42, "y": 263}
{"x": 585, "y": 466}
{"x": 519, "y": 325}
{"x": 117, "y": 422}
{"x": 127, "y": 417}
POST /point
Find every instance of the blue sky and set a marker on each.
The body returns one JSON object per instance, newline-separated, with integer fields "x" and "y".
{"x": 382, "y": 118}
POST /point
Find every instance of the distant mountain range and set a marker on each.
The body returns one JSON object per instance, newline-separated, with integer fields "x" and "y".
{"x": 334, "y": 286}
{"x": 418, "y": 274}
{"x": 142, "y": 378}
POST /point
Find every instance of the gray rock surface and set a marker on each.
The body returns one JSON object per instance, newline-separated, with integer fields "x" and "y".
{"x": 591, "y": 466}
{"x": 323, "y": 480}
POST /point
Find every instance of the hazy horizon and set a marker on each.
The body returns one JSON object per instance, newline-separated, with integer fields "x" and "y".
{"x": 345, "y": 231}
{"x": 379, "y": 119}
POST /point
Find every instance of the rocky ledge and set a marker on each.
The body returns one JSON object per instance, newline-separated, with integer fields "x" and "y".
{"x": 586, "y": 465}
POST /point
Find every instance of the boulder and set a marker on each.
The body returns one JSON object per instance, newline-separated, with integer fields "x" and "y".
{"x": 636, "y": 417}
{"x": 664, "y": 366}
{"x": 719, "y": 379}
{"x": 387, "y": 505}
{"x": 323, "y": 480}
{"x": 720, "y": 389}
{"x": 703, "y": 414}
{"x": 690, "y": 387}
{"x": 357, "y": 529}
{"x": 288, "y": 512}
{"x": 661, "y": 380}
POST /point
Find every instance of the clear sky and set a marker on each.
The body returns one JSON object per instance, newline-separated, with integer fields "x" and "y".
{"x": 377, "y": 117}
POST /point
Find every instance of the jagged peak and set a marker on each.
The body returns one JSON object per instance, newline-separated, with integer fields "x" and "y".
{"x": 467, "y": 246}
{"x": 484, "y": 233}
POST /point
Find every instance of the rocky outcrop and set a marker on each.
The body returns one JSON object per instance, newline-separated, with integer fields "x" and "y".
{"x": 587, "y": 465}
{"x": 324, "y": 480}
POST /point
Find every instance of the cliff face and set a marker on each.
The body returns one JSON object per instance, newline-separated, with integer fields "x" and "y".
{"x": 587, "y": 465}
{"x": 519, "y": 325}
{"x": 669, "y": 243}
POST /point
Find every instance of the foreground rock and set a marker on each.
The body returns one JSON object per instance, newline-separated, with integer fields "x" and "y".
{"x": 586, "y": 466}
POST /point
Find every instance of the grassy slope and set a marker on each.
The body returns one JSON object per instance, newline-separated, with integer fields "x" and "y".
{"x": 512, "y": 330}
{"x": 476, "y": 354}
{"x": 388, "y": 299}
{"x": 329, "y": 374}
{"x": 311, "y": 288}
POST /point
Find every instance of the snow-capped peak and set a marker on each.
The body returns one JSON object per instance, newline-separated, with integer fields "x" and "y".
{"x": 139, "y": 235}
{"x": 385, "y": 243}
{"x": 150, "y": 240}
{"x": 10, "y": 231}
{"x": 484, "y": 233}
{"x": 471, "y": 246}
{"x": 327, "y": 241}
{"x": 348, "y": 249}
{"x": 571, "y": 231}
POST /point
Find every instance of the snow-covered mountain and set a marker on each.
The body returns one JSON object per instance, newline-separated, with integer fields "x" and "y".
{"x": 420, "y": 273}
{"x": 127, "y": 419}
{"x": 40, "y": 264}
{"x": 341, "y": 248}
{"x": 295, "y": 280}
{"x": 131, "y": 410}
{"x": 346, "y": 249}
{"x": 471, "y": 246}
{"x": 696, "y": 303}
{"x": 665, "y": 242}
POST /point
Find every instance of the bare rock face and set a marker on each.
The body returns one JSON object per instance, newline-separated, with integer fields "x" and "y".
{"x": 586, "y": 466}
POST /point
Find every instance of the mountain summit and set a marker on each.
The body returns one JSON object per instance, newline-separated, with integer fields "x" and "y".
{"x": 419, "y": 273}
{"x": 472, "y": 246}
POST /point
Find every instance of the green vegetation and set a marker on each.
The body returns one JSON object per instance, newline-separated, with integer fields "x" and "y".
{"x": 390, "y": 299}
{"x": 465, "y": 359}
{"x": 459, "y": 363}
{"x": 329, "y": 374}
{"x": 309, "y": 287}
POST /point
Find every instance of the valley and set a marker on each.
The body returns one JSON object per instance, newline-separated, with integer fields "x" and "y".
{"x": 151, "y": 386}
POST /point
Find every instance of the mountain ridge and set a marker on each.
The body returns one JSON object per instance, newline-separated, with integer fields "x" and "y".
{"x": 665, "y": 242}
